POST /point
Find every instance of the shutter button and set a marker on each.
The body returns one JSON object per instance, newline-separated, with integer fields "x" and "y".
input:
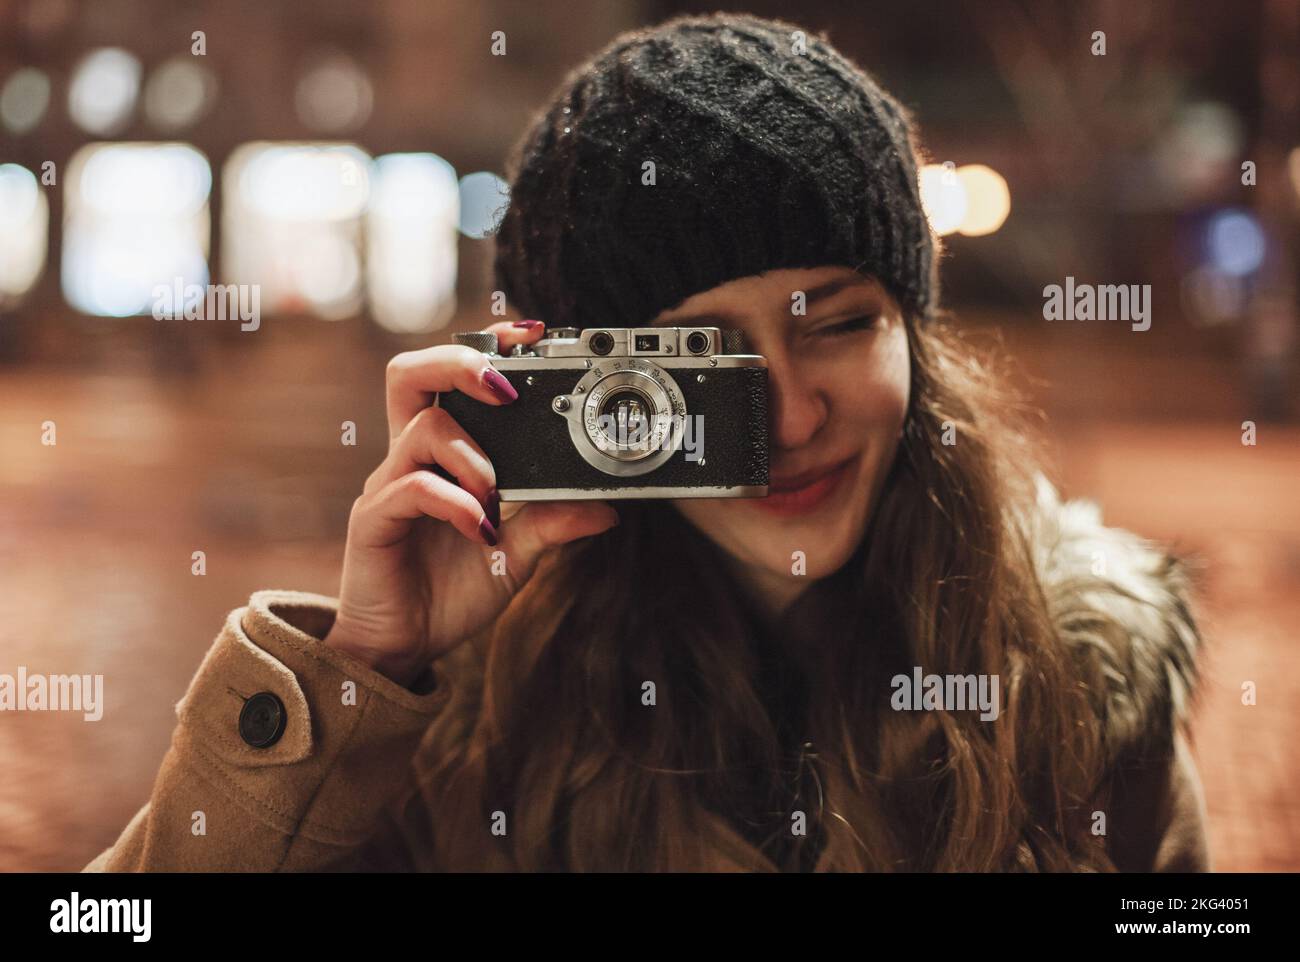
{"x": 262, "y": 720}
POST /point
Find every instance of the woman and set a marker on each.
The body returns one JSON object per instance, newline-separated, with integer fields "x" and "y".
{"x": 714, "y": 683}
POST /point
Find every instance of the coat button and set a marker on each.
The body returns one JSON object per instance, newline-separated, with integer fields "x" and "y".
{"x": 262, "y": 720}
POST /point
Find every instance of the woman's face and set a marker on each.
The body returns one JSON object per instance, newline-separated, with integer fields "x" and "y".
{"x": 839, "y": 381}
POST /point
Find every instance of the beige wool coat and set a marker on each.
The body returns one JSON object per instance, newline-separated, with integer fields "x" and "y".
{"x": 334, "y": 791}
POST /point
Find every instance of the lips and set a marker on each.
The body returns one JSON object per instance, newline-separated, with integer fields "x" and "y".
{"x": 794, "y": 482}
{"x": 800, "y": 493}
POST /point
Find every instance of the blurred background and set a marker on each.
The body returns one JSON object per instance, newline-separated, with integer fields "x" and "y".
{"x": 345, "y": 157}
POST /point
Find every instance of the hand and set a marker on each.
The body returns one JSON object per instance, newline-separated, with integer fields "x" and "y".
{"x": 417, "y": 570}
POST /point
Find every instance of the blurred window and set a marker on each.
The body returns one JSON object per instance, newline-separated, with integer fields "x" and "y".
{"x": 135, "y": 217}
{"x": 292, "y": 222}
{"x": 24, "y": 232}
{"x": 411, "y": 240}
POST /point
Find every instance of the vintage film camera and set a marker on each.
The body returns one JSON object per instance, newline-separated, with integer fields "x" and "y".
{"x": 604, "y": 413}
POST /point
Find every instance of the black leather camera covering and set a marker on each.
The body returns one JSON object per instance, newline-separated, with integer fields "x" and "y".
{"x": 530, "y": 447}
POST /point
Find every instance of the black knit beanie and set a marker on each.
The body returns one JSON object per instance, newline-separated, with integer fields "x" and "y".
{"x": 764, "y": 158}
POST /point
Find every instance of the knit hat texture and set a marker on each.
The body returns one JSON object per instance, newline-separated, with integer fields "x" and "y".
{"x": 763, "y": 158}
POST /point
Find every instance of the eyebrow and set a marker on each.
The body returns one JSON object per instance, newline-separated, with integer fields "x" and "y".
{"x": 819, "y": 293}
{"x": 834, "y": 286}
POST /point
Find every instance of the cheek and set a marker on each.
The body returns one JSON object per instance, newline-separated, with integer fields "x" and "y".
{"x": 872, "y": 390}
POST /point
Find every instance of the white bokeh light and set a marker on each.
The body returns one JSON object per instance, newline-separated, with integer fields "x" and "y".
{"x": 24, "y": 232}
{"x": 135, "y": 217}
{"x": 292, "y": 222}
{"x": 484, "y": 198}
{"x": 411, "y": 238}
{"x": 104, "y": 89}
{"x": 943, "y": 197}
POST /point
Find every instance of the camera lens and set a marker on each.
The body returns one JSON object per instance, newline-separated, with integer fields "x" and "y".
{"x": 697, "y": 342}
{"x": 602, "y": 342}
{"x": 628, "y": 416}
{"x": 625, "y": 417}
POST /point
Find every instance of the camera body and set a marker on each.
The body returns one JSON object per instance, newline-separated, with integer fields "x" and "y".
{"x": 609, "y": 413}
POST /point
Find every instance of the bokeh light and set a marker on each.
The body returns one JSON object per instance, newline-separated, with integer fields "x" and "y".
{"x": 943, "y": 198}
{"x": 411, "y": 241}
{"x": 484, "y": 198}
{"x": 1198, "y": 151}
{"x": 24, "y": 99}
{"x": 104, "y": 89}
{"x": 24, "y": 232}
{"x": 135, "y": 217}
{"x": 179, "y": 93}
{"x": 973, "y": 199}
{"x": 1235, "y": 242}
{"x": 334, "y": 95}
{"x": 988, "y": 200}
{"x": 292, "y": 222}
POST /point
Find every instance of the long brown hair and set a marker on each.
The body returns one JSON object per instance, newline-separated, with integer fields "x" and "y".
{"x": 630, "y": 712}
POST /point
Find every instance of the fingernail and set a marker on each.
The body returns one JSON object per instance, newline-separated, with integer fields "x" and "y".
{"x": 529, "y": 325}
{"x": 493, "y": 508}
{"x": 488, "y": 532}
{"x": 498, "y": 385}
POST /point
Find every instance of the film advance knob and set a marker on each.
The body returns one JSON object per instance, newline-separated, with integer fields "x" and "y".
{"x": 483, "y": 341}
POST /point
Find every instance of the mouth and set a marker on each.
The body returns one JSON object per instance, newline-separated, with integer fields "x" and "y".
{"x": 802, "y": 493}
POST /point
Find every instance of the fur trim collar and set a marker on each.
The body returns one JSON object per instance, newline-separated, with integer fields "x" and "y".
{"x": 1121, "y": 605}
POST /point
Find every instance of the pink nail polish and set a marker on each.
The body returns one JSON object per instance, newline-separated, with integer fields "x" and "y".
{"x": 528, "y": 325}
{"x": 488, "y": 532}
{"x": 496, "y": 382}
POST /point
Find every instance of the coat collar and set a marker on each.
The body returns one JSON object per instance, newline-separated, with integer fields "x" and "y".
{"x": 1121, "y": 606}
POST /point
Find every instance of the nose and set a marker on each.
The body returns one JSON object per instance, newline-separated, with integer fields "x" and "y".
{"x": 797, "y": 406}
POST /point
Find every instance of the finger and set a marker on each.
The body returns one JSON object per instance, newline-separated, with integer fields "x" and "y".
{"x": 510, "y": 333}
{"x": 385, "y": 517}
{"x": 543, "y": 524}
{"x": 434, "y": 437}
{"x": 413, "y": 377}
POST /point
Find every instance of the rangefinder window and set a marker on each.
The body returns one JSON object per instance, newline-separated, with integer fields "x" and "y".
{"x": 697, "y": 342}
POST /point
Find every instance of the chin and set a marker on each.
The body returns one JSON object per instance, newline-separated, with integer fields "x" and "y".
{"x": 824, "y": 552}
{"x": 827, "y": 538}
{"x": 825, "y": 530}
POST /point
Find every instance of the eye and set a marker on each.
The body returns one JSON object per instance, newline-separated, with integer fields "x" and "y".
{"x": 862, "y": 323}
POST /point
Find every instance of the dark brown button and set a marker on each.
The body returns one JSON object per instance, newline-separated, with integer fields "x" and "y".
{"x": 262, "y": 720}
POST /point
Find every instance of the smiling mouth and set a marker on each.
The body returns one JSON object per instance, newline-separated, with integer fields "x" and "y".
{"x": 804, "y": 492}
